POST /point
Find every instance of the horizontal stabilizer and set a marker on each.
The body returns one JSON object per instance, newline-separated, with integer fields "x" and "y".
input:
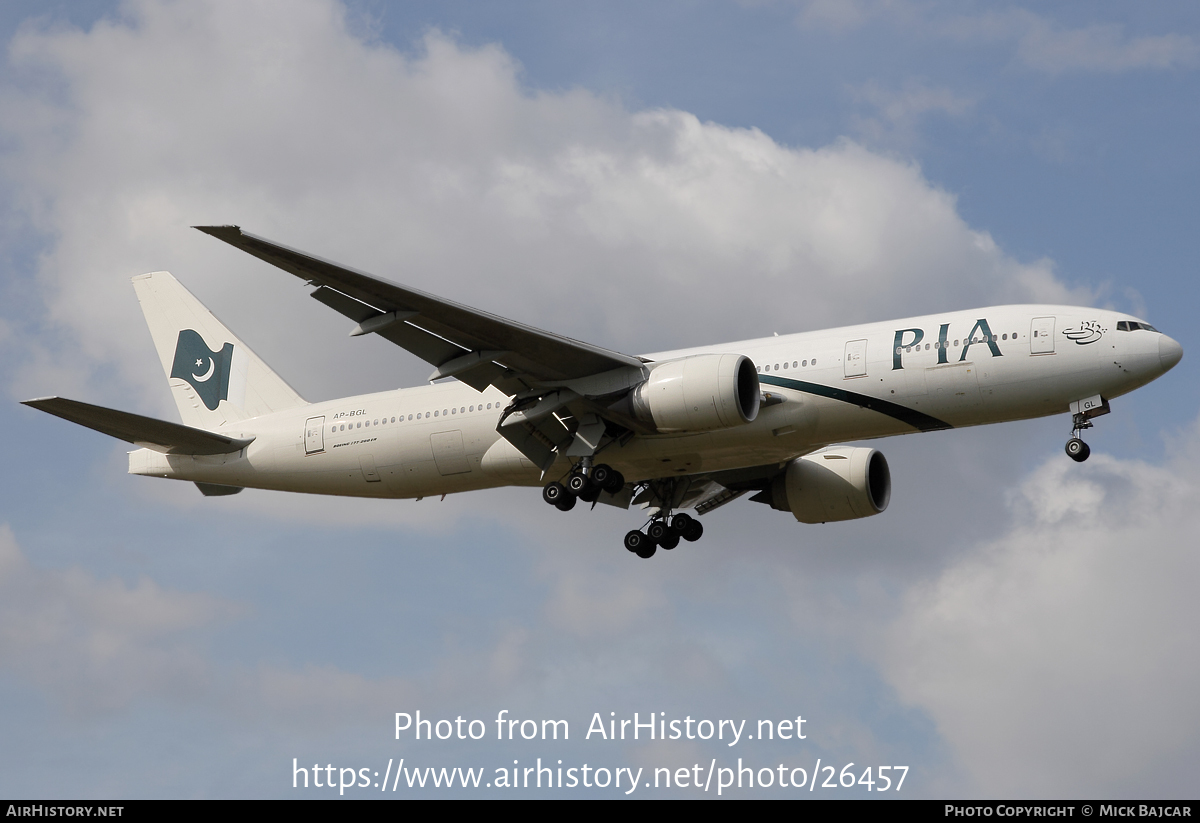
{"x": 145, "y": 432}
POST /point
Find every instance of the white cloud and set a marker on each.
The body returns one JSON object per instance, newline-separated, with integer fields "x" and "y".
{"x": 1043, "y": 45}
{"x": 1059, "y": 659}
{"x": 898, "y": 112}
{"x": 1039, "y": 43}
{"x": 99, "y": 647}
{"x": 99, "y": 644}
{"x": 439, "y": 169}
{"x": 1102, "y": 48}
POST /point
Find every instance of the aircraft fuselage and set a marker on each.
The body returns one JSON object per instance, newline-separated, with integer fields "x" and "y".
{"x": 861, "y": 382}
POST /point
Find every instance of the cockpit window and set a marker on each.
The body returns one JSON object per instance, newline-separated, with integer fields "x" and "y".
{"x": 1134, "y": 325}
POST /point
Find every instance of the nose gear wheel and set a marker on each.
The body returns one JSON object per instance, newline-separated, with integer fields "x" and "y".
{"x": 1076, "y": 449}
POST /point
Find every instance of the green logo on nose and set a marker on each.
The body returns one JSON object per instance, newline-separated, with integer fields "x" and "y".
{"x": 207, "y": 371}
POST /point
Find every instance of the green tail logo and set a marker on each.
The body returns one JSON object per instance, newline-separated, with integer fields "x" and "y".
{"x": 207, "y": 371}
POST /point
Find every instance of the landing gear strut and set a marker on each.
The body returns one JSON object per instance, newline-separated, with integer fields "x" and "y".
{"x": 1076, "y": 449}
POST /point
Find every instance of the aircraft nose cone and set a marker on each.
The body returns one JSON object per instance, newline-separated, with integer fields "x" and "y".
{"x": 1169, "y": 352}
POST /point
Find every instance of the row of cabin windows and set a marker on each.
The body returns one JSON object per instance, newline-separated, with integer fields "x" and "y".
{"x": 899, "y": 350}
{"x": 341, "y": 427}
{"x": 802, "y": 364}
{"x": 985, "y": 339}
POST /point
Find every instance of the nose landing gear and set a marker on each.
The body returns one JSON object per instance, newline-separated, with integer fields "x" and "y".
{"x": 1082, "y": 412}
{"x": 1076, "y": 449}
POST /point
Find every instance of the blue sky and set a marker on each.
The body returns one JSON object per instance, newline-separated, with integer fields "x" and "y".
{"x": 642, "y": 177}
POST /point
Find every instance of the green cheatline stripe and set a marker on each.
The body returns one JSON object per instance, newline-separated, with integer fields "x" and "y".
{"x": 916, "y": 419}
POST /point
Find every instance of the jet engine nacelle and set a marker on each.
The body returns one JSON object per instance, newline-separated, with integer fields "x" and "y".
{"x": 834, "y": 484}
{"x": 699, "y": 393}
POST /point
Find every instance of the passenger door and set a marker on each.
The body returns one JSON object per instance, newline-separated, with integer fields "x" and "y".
{"x": 314, "y": 435}
{"x": 1041, "y": 336}
{"x": 856, "y": 358}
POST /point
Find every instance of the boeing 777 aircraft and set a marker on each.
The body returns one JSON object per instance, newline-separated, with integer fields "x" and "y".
{"x": 509, "y": 404}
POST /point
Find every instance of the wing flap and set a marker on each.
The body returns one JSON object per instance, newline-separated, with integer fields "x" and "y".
{"x": 145, "y": 432}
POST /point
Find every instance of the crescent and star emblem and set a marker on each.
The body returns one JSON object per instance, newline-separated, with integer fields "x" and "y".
{"x": 212, "y": 364}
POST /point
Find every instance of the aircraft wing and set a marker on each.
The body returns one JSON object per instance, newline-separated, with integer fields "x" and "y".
{"x": 144, "y": 432}
{"x": 478, "y": 348}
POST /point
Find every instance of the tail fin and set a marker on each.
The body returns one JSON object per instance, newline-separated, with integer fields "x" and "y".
{"x": 215, "y": 378}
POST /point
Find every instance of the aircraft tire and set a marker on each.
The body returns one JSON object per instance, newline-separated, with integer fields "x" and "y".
{"x": 635, "y": 540}
{"x": 680, "y": 523}
{"x": 670, "y": 541}
{"x": 657, "y": 531}
{"x": 601, "y": 474}
{"x": 553, "y": 492}
{"x": 566, "y": 503}
{"x": 583, "y": 487}
{"x": 694, "y": 531}
{"x": 608, "y": 478}
{"x": 616, "y": 483}
{"x": 1077, "y": 450}
{"x": 647, "y": 551}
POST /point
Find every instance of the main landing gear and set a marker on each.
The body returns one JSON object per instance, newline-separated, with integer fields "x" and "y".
{"x": 582, "y": 485}
{"x": 1077, "y": 450}
{"x": 587, "y": 482}
{"x": 663, "y": 532}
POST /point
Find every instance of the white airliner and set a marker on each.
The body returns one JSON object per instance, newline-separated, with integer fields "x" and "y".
{"x": 509, "y": 404}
